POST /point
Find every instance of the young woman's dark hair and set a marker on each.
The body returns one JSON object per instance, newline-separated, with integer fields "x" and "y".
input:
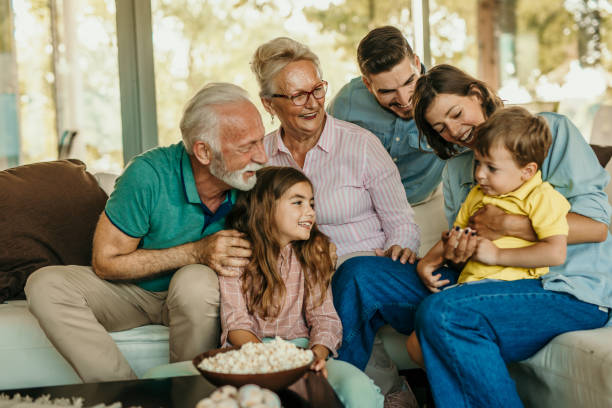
{"x": 253, "y": 214}
{"x": 446, "y": 79}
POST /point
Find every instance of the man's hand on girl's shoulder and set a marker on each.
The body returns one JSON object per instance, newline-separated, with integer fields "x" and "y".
{"x": 226, "y": 252}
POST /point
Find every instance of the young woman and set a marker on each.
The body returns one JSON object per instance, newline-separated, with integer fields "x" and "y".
{"x": 285, "y": 290}
{"x": 509, "y": 150}
{"x": 468, "y": 334}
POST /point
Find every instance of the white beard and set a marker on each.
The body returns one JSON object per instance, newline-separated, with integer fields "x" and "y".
{"x": 235, "y": 178}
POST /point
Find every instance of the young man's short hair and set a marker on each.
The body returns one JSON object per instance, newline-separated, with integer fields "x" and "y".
{"x": 382, "y": 49}
{"x": 527, "y": 137}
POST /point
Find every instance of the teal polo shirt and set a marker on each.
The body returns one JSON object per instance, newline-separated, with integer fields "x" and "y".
{"x": 156, "y": 200}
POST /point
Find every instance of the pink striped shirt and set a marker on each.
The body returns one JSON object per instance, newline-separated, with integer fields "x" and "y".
{"x": 299, "y": 317}
{"x": 359, "y": 197}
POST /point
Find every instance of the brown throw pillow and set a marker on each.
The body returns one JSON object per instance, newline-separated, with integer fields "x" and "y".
{"x": 48, "y": 213}
{"x": 603, "y": 153}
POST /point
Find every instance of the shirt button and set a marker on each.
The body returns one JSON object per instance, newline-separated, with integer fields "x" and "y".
{"x": 395, "y": 159}
{"x": 397, "y": 139}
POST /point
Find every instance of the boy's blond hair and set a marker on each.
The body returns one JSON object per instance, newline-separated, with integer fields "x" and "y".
{"x": 526, "y": 136}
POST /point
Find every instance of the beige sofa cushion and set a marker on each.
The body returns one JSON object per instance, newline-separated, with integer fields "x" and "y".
{"x": 573, "y": 370}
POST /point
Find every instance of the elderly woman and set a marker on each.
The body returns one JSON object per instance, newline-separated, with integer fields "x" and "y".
{"x": 469, "y": 333}
{"x": 360, "y": 200}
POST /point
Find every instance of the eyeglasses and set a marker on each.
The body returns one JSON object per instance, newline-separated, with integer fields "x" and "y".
{"x": 301, "y": 98}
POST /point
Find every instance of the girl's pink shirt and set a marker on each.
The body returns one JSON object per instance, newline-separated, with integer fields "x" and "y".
{"x": 299, "y": 317}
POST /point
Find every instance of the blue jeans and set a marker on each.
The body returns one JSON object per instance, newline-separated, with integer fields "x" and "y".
{"x": 469, "y": 333}
{"x": 371, "y": 291}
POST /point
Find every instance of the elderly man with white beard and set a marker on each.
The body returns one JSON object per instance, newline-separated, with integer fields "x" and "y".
{"x": 160, "y": 243}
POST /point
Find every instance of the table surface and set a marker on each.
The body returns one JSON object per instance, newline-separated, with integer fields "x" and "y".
{"x": 312, "y": 390}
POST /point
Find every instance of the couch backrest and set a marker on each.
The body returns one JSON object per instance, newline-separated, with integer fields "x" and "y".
{"x": 106, "y": 181}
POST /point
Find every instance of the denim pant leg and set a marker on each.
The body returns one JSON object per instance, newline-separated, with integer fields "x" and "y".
{"x": 469, "y": 333}
{"x": 371, "y": 291}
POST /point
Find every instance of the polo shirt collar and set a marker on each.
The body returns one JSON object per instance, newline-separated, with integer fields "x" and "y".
{"x": 189, "y": 186}
{"x": 188, "y": 179}
{"x": 527, "y": 187}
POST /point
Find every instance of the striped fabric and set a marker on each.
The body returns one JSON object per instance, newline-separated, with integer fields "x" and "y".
{"x": 359, "y": 197}
{"x": 299, "y": 317}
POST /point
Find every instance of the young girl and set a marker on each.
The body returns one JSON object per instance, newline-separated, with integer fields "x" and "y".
{"x": 285, "y": 290}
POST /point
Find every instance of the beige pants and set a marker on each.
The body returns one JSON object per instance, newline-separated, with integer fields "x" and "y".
{"x": 76, "y": 310}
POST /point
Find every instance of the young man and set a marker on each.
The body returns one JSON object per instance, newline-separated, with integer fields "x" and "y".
{"x": 160, "y": 243}
{"x": 380, "y": 101}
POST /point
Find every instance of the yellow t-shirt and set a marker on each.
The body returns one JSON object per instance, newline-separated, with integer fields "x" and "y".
{"x": 546, "y": 208}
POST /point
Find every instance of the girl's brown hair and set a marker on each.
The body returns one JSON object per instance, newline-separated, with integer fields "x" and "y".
{"x": 446, "y": 79}
{"x": 253, "y": 214}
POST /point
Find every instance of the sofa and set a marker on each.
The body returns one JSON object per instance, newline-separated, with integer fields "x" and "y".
{"x": 573, "y": 370}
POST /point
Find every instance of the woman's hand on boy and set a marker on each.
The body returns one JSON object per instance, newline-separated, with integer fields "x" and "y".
{"x": 226, "y": 252}
{"x": 319, "y": 365}
{"x": 459, "y": 245}
{"x": 396, "y": 252}
{"x": 492, "y": 223}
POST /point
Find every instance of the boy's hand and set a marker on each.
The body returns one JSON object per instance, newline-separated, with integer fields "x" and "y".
{"x": 426, "y": 269}
{"x": 486, "y": 252}
{"x": 319, "y": 365}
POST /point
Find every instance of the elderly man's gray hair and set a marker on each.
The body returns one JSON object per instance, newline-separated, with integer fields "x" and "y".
{"x": 200, "y": 120}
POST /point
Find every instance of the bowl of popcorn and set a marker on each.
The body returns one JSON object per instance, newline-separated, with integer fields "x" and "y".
{"x": 274, "y": 365}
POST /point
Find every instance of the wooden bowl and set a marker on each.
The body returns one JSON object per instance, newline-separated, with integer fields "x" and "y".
{"x": 275, "y": 381}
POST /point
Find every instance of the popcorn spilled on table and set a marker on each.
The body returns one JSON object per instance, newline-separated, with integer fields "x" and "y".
{"x": 248, "y": 396}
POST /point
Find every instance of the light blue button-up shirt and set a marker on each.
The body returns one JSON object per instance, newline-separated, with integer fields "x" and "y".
{"x": 572, "y": 168}
{"x": 419, "y": 167}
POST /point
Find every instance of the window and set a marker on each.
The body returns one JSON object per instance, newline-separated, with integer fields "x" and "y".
{"x": 196, "y": 42}
{"x": 68, "y": 82}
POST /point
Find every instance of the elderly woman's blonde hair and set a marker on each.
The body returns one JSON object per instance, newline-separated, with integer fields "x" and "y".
{"x": 270, "y": 58}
